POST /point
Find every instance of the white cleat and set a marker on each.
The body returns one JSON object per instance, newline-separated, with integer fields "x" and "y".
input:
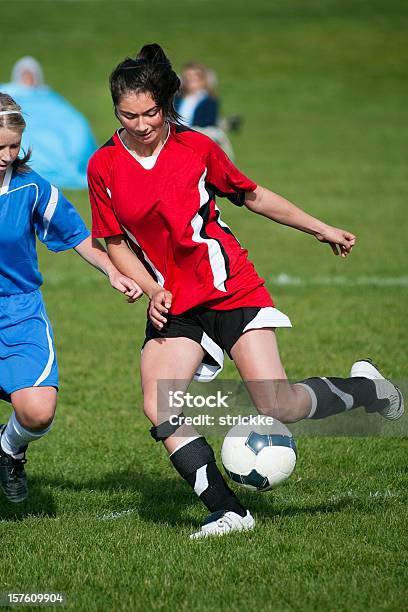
{"x": 386, "y": 390}
{"x": 221, "y": 522}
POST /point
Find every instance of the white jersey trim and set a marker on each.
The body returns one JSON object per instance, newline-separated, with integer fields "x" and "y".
{"x": 50, "y": 209}
{"x": 10, "y": 191}
{"x": 220, "y": 221}
{"x": 216, "y": 258}
{"x": 6, "y": 180}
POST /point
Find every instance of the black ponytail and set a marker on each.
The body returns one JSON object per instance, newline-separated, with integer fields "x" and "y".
{"x": 154, "y": 54}
{"x": 151, "y": 72}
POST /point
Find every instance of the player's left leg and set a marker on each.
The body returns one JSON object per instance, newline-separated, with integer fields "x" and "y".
{"x": 169, "y": 364}
{"x": 32, "y": 417}
{"x": 256, "y": 356}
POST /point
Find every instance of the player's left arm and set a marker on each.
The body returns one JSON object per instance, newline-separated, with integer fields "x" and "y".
{"x": 94, "y": 253}
{"x": 264, "y": 202}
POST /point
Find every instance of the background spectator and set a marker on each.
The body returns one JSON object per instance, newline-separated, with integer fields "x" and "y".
{"x": 61, "y": 145}
{"x": 198, "y": 105}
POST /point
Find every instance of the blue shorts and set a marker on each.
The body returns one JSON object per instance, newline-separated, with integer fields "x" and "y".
{"x": 27, "y": 354}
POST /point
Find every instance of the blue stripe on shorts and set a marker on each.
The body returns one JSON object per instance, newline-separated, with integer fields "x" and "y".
{"x": 27, "y": 354}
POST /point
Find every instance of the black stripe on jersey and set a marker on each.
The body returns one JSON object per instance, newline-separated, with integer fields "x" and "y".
{"x": 108, "y": 143}
{"x": 237, "y": 198}
{"x": 204, "y": 213}
{"x": 224, "y": 229}
{"x": 210, "y": 190}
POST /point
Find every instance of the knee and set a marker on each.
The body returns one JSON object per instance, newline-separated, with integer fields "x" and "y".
{"x": 35, "y": 422}
{"x": 286, "y": 405}
{"x": 150, "y": 410}
{"x": 284, "y": 410}
{"x": 288, "y": 416}
{"x": 36, "y": 416}
{"x": 282, "y": 414}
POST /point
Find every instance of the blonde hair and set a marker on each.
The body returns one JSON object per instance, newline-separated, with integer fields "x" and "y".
{"x": 207, "y": 74}
{"x": 13, "y": 120}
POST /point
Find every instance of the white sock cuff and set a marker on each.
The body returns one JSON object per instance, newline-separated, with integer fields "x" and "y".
{"x": 28, "y": 435}
{"x": 313, "y": 399}
{"x": 15, "y": 436}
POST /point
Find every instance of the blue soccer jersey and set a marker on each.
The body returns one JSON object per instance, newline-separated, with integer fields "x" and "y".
{"x": 30, "y": 206}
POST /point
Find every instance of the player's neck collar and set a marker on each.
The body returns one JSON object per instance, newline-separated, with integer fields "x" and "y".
{"x": 146, "y": 161}
{"x": 6, "y": 180}
{"x": 121, "y": 133}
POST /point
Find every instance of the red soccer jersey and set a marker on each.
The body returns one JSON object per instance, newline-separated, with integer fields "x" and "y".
{"x": 171, "y": 219}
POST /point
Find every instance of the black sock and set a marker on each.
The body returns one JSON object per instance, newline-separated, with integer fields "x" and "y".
{"x": 334, "y": 395}
{"x": 195, "y": 462}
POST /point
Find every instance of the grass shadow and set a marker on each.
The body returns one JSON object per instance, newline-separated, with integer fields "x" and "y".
{"x": 40, "y": 503}
{"x": 162, "y": 500}
{"x": 169, "y": 501}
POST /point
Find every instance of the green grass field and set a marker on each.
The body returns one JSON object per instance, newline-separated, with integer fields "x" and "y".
{"x": 322, "y": 87}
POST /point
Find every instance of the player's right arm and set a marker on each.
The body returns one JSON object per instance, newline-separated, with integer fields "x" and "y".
{"x": 106, "y": 225}
{"x": 130, "y": 265}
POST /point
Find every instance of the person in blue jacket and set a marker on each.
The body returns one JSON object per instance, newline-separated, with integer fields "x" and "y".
{"x": 197, "y": 104}
{"x": 30, "y": 208}
{"x": 62, "y": 144}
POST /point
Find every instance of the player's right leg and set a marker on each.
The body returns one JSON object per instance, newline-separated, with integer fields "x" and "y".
{"x": 170, "y": 364}
{"x": 29, "y": 380}
{"x": 34, "y": 409}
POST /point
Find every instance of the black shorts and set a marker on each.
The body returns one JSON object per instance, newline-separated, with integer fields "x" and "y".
{"x": 216, "y": 331}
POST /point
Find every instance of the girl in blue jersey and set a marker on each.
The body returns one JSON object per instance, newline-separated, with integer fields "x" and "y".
{"x": 31, "y": 207}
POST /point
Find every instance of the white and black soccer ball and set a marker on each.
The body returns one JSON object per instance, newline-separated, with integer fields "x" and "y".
{"x": 259, "y": 457}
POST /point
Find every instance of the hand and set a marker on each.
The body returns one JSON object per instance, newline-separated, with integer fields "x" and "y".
{"x": 160, "y": 303}
{"x": 340, "y": 241}
{"x": 125, "y": 285}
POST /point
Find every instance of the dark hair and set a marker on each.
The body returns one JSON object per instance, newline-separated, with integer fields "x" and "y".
{"x": 151, "y": 72}
{"x": 14, "y": 122}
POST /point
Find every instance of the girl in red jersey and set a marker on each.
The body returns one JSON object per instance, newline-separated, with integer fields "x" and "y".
{"x": 152, "y": 189}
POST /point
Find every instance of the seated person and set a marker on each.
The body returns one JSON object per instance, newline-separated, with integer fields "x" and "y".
{"x": 59, "y": 136}
{"x": 196, "y": 104}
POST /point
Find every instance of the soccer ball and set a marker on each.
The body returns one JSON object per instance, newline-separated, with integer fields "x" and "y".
{"x": 259, "y": 457}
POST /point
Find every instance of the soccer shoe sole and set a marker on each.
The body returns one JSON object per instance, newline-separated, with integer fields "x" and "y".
{"x": 228, "y": 522}
{"x": 366, "y": 368}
